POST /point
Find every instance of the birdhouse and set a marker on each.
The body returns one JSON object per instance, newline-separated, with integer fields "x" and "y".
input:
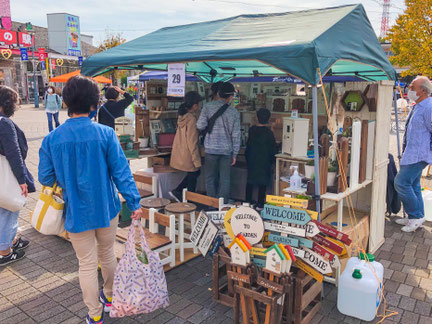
{"x": 274, "y": 258}
{"x": 286, "y": 264}
{"x": 239, "y": 252}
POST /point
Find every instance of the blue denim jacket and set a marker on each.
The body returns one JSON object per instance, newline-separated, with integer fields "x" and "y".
{"x": 87, "y": 161}
{"x": 418, "y": 134}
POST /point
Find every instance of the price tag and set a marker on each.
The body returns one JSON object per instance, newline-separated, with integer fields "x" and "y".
{"x": 289, "y": 215}
{"x": 248, "y": 222}
{"x": 176, "y": 80}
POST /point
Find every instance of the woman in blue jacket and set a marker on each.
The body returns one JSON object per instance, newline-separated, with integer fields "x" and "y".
{"x": 13, "y": 145}
{"x": 87, "y": 161}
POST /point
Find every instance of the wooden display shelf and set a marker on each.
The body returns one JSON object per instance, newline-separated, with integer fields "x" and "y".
{"x": 349, "y": 191}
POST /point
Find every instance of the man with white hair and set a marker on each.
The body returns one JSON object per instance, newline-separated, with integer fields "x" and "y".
{"x": 417, "y": 153}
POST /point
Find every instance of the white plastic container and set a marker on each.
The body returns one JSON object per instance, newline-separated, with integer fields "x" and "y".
{"x": 427, "y": 199}
{"x": 295, "y": 180}
{"x": 359, "y": 291}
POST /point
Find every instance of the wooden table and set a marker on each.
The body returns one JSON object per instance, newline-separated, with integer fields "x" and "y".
{"x": 180, "y": 210}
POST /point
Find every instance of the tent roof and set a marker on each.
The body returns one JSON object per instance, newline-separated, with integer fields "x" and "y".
{"x": 339, "y": 38}
{"x": 65, "y": 77}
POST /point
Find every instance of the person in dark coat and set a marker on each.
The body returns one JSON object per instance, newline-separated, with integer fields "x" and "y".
{"x": 13, "y": 146}
{"x": 260, "y": 152}
{"x": 114, "y": 107}
{"x": 392, "y": 197}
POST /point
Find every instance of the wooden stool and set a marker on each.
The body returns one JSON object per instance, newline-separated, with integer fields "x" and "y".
{"x": 156, "y": 203}
{"x": 184, "y": 211}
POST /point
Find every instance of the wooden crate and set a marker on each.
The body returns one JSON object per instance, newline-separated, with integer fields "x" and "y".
{"x": 223, "y": 290}
{"x": 307, "y": 298}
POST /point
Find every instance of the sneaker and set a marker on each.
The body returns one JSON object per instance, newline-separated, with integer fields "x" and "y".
{"x": 106, "y": 301}
{"x": 11, "y": 257}
{"x": 413, "y": 224}
{"x": 175, "y": 195}
{"x": 95, "y": 320}
{"x": 20, "y": 244}
{"x": 402, "y": 221}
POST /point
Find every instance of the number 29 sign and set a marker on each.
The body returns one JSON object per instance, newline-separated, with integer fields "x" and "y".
{"x": 176, "y": 80}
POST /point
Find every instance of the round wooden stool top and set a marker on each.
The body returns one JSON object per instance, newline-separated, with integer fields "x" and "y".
{"x": 180, "y": 208}
{"x": 157, "y": 203}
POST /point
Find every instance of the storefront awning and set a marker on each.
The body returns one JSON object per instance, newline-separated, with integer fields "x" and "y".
{"x": 339, "y": 41}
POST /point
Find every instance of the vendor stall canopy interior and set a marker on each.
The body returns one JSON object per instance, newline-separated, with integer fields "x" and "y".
{"x": 338, "y": 40}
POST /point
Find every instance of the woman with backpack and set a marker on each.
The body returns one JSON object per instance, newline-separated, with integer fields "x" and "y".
{"x": 53, "y": 104}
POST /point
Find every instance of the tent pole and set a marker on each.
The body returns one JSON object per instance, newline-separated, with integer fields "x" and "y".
{"x": 397, "y": 124}
{"x": 316, "y": 149}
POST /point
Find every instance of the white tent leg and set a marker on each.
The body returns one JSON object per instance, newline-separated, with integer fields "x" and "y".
{"x": 316, "y": 149}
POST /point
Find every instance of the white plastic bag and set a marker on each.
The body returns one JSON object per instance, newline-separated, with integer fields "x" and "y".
{"x": 11, "y": 197}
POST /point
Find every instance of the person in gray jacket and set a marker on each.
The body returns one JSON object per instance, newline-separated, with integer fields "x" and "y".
{"x": 222, "y": 141}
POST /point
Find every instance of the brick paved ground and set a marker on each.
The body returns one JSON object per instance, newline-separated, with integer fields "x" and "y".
{"x": 44, "y": 288}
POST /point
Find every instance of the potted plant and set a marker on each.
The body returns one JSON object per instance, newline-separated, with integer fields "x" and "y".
{"x": 309, "y": 168}
{"x": 331, "y": 175}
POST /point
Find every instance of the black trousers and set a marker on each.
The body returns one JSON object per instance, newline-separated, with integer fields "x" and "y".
{"x": 189, "y": 182}
{"x": 261, "y": 193}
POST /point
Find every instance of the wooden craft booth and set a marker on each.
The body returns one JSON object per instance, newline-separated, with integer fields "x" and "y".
{"x": 329, "y": 86}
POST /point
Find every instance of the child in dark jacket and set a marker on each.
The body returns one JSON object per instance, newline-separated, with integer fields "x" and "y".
{"x": 260, "y": 152}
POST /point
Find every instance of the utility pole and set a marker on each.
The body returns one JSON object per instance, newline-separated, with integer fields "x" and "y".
{"x": 35, "y": 84}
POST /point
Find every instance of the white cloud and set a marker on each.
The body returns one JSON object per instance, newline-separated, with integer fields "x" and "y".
{"x": 135, "y": 18}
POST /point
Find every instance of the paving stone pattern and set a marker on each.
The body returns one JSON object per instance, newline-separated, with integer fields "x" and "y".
{"x": 44, "y": 286}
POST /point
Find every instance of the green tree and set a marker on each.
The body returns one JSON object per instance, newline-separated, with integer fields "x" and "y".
{"x": 411, "y": 38}
{"x": 112, "y": 40}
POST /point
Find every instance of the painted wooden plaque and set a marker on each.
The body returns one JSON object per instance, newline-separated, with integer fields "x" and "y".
{"x": 273, "y": 261}
{"x": 284, "y": 240}
{"x": 199, "y": 228}
{"x": 281, "y": 227}
{"x": 298, "y": 252}
{"x": 305, "y": 242}
{"x": 294, "y": 202}
{"x": 333, "y": 233}
{"x": 207, "y": 238}
{"x": 248, "y": 222}
{"x": 310, "y": 271}
{"x": 288, "y": 215}
{"x": 316, "y": 261}
{"x": 328, "y": 244}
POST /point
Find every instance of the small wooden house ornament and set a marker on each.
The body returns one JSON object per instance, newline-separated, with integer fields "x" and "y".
{"x": 274, "y": 258}
{"x": 247, "y": 244}
{"x": 239, "y": 252}
{"x": 286, "y": 264}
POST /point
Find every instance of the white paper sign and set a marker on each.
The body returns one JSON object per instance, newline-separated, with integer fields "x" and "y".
{"x": 207, "y": 238}
{"x": 276, "y": 226}
{"x": 176, "y": 80}
{"x": 247, "y": 222}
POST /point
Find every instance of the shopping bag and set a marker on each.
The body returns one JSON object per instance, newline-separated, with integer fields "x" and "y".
{"x": 139, "y": 283}
{"x": 11, "y": 197}
{"x": 47, "y": 217}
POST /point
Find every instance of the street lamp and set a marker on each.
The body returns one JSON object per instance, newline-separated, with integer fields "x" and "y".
{"x": 29, "y": 28}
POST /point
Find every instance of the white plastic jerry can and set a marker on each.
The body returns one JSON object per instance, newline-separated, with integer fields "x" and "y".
{"x": 358, "y": 293}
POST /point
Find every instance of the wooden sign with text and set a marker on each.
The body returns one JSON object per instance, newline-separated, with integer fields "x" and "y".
{"x": 276, "y": 226}
{"x": 247, "y": 222}
{"x": 320, "y": 250}
{"x": 283, "y": 239}
{"x": 270, "y": 285}
{"x": 313, "y": 273}
{"x": 239, "y": 277}
{"x": 302, "y": 203}
{"x": 316, "y": 261}
{"x": 288, "y": 215}
{"x": 328, "y": 244}
{"x": 333, "y": 233}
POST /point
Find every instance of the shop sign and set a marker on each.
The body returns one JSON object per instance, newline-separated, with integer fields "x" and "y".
{"x": 316, "y": 261}
{"x": 43, "y": 65}
{"x": 314, "y": 274}
{"x": 176, "y": 80}
{"x": 289, "y": 215}
{"x": 8, "y": 37}
{"x": 80, "y": 60}
{"x": 198, "y": 228}
{"x": 42, "y": 54}
{"x": 25, "y": 39}
{"x": 284, "y": 240}
{"x": 333, "y": 233}
{"x": 247, "y": 222}
{"x": 294, "y": 202}
{"x": 207, "y": 238}
{"x": 53, "y": 65}
{"x": 24, "y": 54}
{"x": 276, "y": 226}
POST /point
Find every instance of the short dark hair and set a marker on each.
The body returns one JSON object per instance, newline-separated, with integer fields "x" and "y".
{"x": 191, "y": 98}
{"x": 226, "y": 90}
{"x": 215, "y": 88}
{"x": 8, "y": 100}
{"x": 111, "y": 93}
{"x": 263, "y": 115}
{"x": 80, "y": 94}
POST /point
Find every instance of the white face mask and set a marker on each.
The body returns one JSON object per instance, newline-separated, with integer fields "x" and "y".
{"x": 49, "y": 90}
{"x": 412, "y": 95}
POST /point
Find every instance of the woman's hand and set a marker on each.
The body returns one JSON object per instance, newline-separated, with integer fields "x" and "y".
{"x": 24, "y": 189}
{"x": 119, "y": 90}
{"x": 137, "y": 214}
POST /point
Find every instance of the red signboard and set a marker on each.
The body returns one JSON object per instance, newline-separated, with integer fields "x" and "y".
{"x": 53, "y": 64}
{"x": 25, "y": 39}
{"x": 42, "y": 54}
{"x": 8, "y": 37}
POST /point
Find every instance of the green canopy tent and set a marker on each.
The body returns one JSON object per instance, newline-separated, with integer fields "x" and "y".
{"x": 335, "y": 41}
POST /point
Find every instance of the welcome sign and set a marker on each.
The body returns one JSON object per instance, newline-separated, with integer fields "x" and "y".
{"x": 289, "y": 215}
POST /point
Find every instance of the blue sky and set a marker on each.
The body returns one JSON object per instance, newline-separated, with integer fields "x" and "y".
{"x": 134, "y": 18}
